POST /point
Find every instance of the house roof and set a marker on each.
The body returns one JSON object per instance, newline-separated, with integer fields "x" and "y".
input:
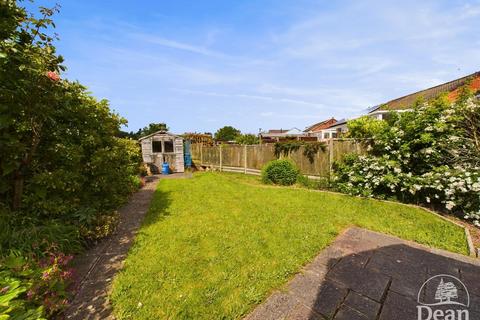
{"x": 277, "y": 130}
{"x": 283, "y": 132}
{"x": 339, "y": 123}
{"x": 321, "y": 125}
{"x": 451, "y": 87}
{"x": 163, "y": 132}
{"x": 294, "y": 131}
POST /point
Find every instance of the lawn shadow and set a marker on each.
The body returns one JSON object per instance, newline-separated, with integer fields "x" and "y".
{"x": 158, "y": 209}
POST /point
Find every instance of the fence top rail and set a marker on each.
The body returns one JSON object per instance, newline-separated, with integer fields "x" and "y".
{"x": 273, "y": 143}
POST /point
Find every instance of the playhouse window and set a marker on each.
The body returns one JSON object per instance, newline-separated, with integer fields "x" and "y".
{"x": 168, "y": 144}
{"x": 157, "y": 146}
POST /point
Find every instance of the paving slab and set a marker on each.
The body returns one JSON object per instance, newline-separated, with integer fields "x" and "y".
{"x": 368, "y": 275}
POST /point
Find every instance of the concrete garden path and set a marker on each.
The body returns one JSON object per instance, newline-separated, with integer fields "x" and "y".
{"x": 367, "y": 275}
{"x": 96, "y": 268}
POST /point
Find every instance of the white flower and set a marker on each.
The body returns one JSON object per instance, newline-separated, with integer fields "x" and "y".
{"x": 449, "y": 205}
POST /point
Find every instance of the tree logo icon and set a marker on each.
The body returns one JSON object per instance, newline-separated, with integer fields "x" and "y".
{"x": 445, "y": 292}
{"x": 443, "y": 295}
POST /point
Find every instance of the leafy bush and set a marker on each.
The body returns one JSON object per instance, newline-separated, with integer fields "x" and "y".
{"x": 99, "y": 227}
{"x": 247, "y": 138}
{"x": 27, "y": 235}
{"x": 281, "y": 171}
{"x": 61, "y": 163}
{"x": 430, "y": 155}
{"x": 63, "y": 169}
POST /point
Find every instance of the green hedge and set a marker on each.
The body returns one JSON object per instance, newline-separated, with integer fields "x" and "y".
{"x": 282, "y": 172}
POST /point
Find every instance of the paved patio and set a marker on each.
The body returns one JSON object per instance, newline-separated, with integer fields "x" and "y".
{"x": 367, "y": 275}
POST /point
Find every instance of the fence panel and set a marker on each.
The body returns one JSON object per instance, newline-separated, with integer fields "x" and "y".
{"x": 195, "y": 151}
{"x": 259, "y": 155}
{"x": 319, "y": 166}
{"x": 343, "y": 147}
{"x": 211, "y": 155}
{"x": 233, "y": 156}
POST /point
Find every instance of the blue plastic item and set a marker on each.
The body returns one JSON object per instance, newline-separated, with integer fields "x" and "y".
{"x": 188, "y": 160}
{"x": 187, "y": 157}
{"x": 165, "y": 168}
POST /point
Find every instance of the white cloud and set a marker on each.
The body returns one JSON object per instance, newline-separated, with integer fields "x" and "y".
{"x": 177, "y": 45}
{"x": 271, "y": 99}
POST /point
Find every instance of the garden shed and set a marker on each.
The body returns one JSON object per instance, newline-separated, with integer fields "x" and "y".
{"x": 162, "y": 146}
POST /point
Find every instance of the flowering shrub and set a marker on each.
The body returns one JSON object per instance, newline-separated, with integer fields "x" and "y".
{"x": 52, "y": 75}
{"x": 34, "y": 289}
{"x": 429, "y": 155}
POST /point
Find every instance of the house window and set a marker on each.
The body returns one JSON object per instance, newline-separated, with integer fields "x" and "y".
{"x": 334, "y": 135}
{"x": 157, "y": 146}
{"x": 326, "y": 135}
{"x": 168, "y": 144}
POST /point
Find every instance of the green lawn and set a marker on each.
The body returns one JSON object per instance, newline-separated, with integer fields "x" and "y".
{"x": 214, "y": 246}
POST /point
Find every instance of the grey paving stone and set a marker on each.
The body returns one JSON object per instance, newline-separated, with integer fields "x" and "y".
{"x": 277, "y": 307}
{"x": 365, "y": 281}
{"x": 306, "y": 287}
{"x": 394, "y": 266}
{"x": 329, "y": 298}
{"x": 408, "y": 285}
{"x": 470, "y": 276}
{"x": 362, "y": 304}
{"x": 474, "y": 303}
{"x": 398, "y": 307}
{"x": 358, "y": 259}
{"x": 347, "y": 313}
{"x": 301, "y": 312}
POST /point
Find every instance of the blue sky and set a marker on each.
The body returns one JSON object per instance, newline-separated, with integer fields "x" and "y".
{"x": 200, "y": 65}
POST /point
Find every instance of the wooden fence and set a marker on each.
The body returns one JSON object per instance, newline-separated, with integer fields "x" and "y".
{"x": 251, "y": 158}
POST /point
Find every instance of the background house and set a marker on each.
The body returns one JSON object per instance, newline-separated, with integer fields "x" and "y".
{"x": 402, "y": 104}
{"x": 275, "y": 135}
{"x": 321, "y": 130}
{"x": 452, "y": 88}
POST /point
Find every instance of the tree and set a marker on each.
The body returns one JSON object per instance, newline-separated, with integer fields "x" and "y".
{"x": 145, "y": 131}
{"x": 29, "y": 90}
{"x": 247, "y": 138}
{"x": 227, "y": 133}
{"x": 58, "y": 144}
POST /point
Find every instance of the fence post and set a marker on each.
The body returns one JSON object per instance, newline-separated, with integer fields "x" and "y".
{"x": 221, "y": 160}
{"x": 330, "y": 157}
{"x": 201, "y": 153}
{"x": 245, "y": 158}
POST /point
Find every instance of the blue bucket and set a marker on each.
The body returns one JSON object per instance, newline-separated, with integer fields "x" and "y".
{"x": 165, "y": 168}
